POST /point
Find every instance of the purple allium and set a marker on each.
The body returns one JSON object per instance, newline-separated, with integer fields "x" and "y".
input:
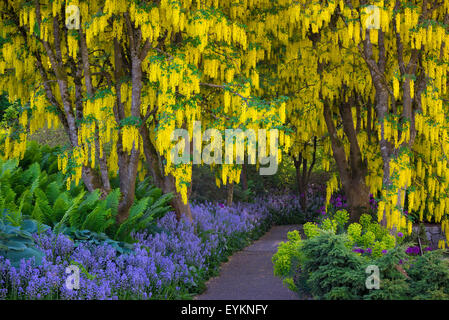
{"x": 412, "y": 250}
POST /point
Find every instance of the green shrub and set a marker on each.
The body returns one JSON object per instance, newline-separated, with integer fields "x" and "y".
{"x": 366, "y": 235}
{"x": 325, "y": 266}
{"x": 430, "y": 276}
{"x": 331, "y": 270}
{"x": 393, "y": 282}
{"x": 287, "y": 259}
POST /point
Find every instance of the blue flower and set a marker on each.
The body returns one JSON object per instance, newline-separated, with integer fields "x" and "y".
{"x": 160, "y": 265}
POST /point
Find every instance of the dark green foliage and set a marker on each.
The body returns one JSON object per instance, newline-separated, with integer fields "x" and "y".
{"x": 94, "y": 238}
{"x": 393, "y": 282}
{"x": 204, "y": 187}
{"x": 17, "y": 243}
{"x": 8, "y": 111}
{"x": 391, "y": 289}
{"x": 423, "y": 277}
{"x": 287, "y": 215}
{"x": 4, "y": 104}
{"x": 430, "y": 276}
{"x": 330, "y": 269}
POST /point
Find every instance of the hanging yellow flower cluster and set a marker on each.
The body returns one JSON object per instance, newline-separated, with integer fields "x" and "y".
{"x": 131, "y": 138}
{"x": 78, "y": 155}
{"x": 15, "y": 148}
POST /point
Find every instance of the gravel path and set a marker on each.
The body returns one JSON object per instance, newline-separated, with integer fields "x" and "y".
{"x": 248, "y": 275}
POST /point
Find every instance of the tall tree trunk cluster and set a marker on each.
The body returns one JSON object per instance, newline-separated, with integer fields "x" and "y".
{"x": 352, "y": 169}
{"x": 384, "y": 95}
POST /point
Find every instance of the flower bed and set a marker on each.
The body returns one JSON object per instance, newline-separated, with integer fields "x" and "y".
{"x": 171, "y": 264}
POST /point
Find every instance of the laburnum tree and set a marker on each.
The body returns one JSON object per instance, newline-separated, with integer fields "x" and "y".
{"x": 328, "y": 104}
{"x": 121, "y": 75}
{"x": 390, "y": 57}
{"x": 366, "y": 78}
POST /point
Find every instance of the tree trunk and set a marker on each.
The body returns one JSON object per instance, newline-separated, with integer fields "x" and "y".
{"x": 244, "y": 180}
{"x": 181, "y": 209}
{"x": 352, "y": 171}
{"x": 127, "y": 175}
{"x": 65, "y": 114}
{"x": 299, "y": 182}
{"x": 165, "y": 183}
{"x": 303, "y": 178}
{"x": 230, "y": 196}
{"x": 102, "y": 161}
{"x": 357, "y": 194}
{"x": 128, "y": 163}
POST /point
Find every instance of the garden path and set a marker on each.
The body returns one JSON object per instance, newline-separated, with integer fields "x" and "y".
{"x": 248, "y": 275}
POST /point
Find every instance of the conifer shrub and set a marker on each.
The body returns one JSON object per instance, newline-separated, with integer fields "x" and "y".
{"x": 332, "y": 263}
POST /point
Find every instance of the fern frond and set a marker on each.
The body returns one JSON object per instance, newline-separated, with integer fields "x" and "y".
{"x": 72, "y": 210}
{"x": 112, "y": 201}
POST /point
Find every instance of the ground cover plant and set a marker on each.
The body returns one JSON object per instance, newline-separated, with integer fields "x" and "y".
{"x": 332, "y": 261}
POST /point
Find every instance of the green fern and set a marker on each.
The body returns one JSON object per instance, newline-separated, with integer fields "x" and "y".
{"x": 8, "y": 197}
{"x": 7, "y": 167}
{"x": 35, "y": 187}
{"x": 143, "y": 214}
{"x": 60, "y": 207}
{"x": 32, "y": 173}
{"x": 52, "y": 191}
{"x": 90, "y": 202}
{"x": 98, "y": 220}
{"x": 44, "y": 206}
{"x": 71, "y": 211}
{"x": 136, "y": 211}
{"x": 112, "y": 200}
{"x": 37, "y": 214}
